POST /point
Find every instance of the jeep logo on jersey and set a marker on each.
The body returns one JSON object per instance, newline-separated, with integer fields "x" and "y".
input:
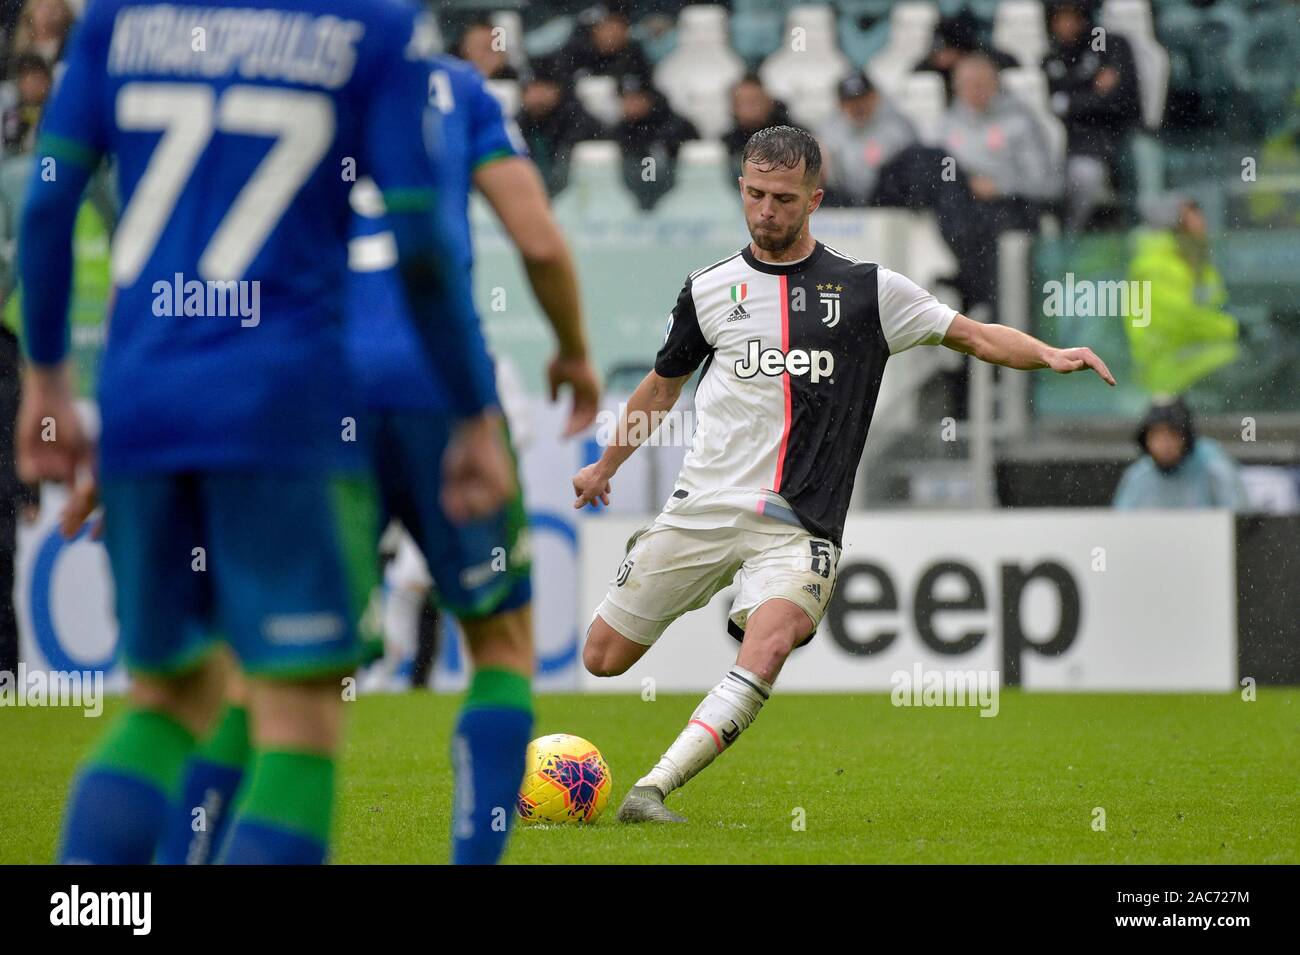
{"x": 817, "y": 364}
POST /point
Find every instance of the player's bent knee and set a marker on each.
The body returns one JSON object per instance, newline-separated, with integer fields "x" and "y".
{"x": 600, "y": 661}
{"x": 608, "y": 652}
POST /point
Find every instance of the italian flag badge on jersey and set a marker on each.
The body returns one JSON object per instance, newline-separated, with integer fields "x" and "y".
{"x": 738, "y": 292}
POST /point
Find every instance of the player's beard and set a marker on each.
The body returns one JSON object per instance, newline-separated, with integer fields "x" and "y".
{"x": 776, "y": 242}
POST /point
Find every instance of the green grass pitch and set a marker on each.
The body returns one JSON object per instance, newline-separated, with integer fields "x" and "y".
{"x": 1182, "y": 779}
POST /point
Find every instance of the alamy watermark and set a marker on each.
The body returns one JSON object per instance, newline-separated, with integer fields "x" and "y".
{"x": 653, "y": 428}
{"x": 921, "y": 687}
{"x": 1086, "y": 298}
{"x": 181, "y": 297}
{"x": 83, "y": 688}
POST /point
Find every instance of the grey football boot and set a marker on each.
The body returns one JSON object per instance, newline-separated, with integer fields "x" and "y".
{"x": 646, "y": 804}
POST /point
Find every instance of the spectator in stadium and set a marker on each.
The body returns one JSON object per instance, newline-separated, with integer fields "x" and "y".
{"x": 865, "y": 134}
{"x": 1187, "y": 333}
{"x": 1093, "y": 83}
{"x": 1178, "y": 468}
{"x": 1000, "y": 145}
{"x": 752, "y": 109}
{"x": 871, "y": 157}
{"x": 955, "y": 37}
{"x": 552, "y": 122}
{"x": 481, "y": 45}
{"x": 33, "y": 80}
{"x": 649, "y": 129}
{"x": 603, "y": 45}
{"x": 42, "y": 29}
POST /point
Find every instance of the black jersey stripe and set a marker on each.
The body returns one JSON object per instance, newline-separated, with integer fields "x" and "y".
{"x": 709, "y": 268}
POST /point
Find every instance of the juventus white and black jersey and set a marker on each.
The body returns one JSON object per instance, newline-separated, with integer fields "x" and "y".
{"x": 794, "y": 354}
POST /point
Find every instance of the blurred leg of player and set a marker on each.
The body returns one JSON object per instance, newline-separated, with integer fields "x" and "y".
{"x": 296, "y": 664}
{"x": 213, "y": 789}
{"x": 120, "y": 795}
{"x": 191, "y": 554}
{"x": 199, "y": 819}
{"x": 482, "y": 572}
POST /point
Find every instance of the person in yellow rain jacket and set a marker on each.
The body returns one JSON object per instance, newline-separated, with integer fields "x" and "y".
{"x": 1187, "y": 334}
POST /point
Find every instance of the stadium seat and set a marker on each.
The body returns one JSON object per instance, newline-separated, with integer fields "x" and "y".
{"x": 755, "y": 28}
{"x": 862, "y": 40}
{"x": 512, "y": 26}
{"x": 704, "y": 187}
{"x": 548, "y": 38}
{"x": 805, "y": 70}
{"x": 1131, "y": 19}
{"x": 1020, "y": 29}
{"x": 697, "y": 77}
{"x": 921, "y": 99}
{"x": 596, "y": 191}
{"x": 911, "y": 33}
{"x": 1262, "y": 59}
{"x": 599, "y": 97}
{"x": 506, "y": 93}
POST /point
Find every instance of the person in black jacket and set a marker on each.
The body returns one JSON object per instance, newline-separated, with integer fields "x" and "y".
{"x": 552, "y": 122}
{"x": 955, "y": 37}
{"x": 649, "y": 130}
{"x": 1093, "y": 83}
{"x": 603, "y": 45}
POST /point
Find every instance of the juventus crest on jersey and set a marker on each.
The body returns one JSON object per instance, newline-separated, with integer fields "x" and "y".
{"x": 794, "y": 354}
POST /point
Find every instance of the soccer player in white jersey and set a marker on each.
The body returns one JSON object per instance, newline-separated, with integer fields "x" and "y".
{"x": 794, "y": 337}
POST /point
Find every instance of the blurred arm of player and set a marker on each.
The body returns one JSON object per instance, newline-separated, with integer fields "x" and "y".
{"x": 402, "y": 131}
{"x": 515, "y": 190}
{"x": 49, "y": 441}
{"x": 655, "y": 395}
{"x": 1012, "y": 348}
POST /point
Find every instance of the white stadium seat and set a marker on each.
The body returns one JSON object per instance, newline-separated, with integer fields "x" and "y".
{"x": 921, "y": 99}
{"x": 596, "y": 191}
{"x": 1019, "y": 28}
{"x": 804, "y": 71}
{"x": 599, "y": 97}
{"x": 703, "y": 187}
{"x": 911, "y": 34}
{"x": 698, "y": 76}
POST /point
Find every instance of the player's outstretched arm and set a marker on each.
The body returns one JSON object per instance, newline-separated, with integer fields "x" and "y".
{"x": 1012, "y": 348}
{"x": 514, "y": 188}
{"x": 655, "y": 395}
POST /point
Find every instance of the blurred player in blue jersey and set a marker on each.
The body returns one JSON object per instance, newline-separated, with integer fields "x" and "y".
{"x": 225, "y": 395}
{"x": 481, "y": 568}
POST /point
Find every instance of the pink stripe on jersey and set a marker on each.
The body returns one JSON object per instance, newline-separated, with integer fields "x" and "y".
{"x": 785, "y": 383}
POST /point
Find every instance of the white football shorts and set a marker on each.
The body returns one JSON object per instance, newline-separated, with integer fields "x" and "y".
{"x": 668, "y": 571}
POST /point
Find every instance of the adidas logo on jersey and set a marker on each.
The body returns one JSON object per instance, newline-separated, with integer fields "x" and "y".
{"x": 815, "y": 590}
{"x": 816, "y": 364}
{"x": 737, "y": 313}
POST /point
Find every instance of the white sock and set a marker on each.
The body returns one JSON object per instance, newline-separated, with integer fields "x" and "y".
{"x": 716, "y": 723}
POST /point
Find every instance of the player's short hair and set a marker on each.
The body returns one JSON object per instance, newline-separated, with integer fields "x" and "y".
{"x": 784, "y": 147}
